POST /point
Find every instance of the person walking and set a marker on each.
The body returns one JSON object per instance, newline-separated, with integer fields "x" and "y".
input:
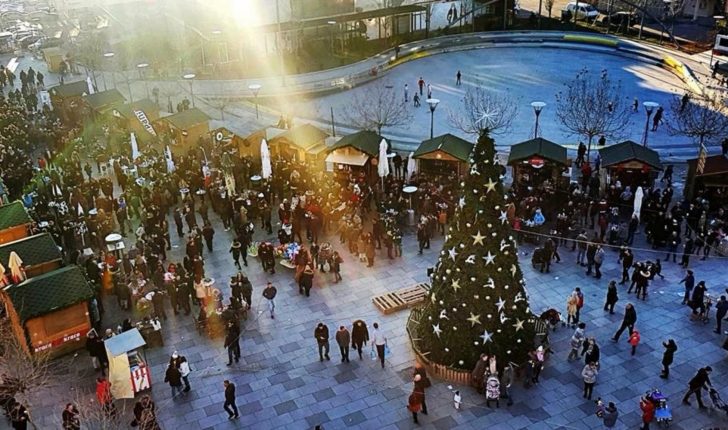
{"x": 343, "y": 337}
{"x": 70, "y": 417}
{"x": 577, "y": 340}
{"x": 581, "y": 242}
{"x": 598, "y": 260}
{"x": 321, "y": 333}
{"x": 610, "y": 415}
{"x": 721, "y": 308}
{"x": 634, "y": 340}
{"x": 414, "y": 405}
{"x": 571, "y": 303}
{"x": 235, "y": 250}
{"x": 359, "y": 336}
{"x": 232, "y": 342}
{"x": 406, "y": 93}
{"x": 230, "y": 407}
{"x": 667, "y": 357}
{"x": 689, "y": 281}
{"x": 174, "y": 378}
{"x": 648, "y": 412}
{"x": 184, "y": 370}
{"x": 695, "y": 386}
{"x": 657, "y": 119}
{"x": 628, "y": 322}
{"x": 579, "y": 303}
{"x": 305, "y": 281}
{"x": 612, "y": 297}
{"x": 627, "y": 259}
{"x": 269, "y": 292}
{"x": 589, "y": 374}
{"x": 458, "y": 77}
{"x": 379, "y": 341}
{"x": 421, "y": 383}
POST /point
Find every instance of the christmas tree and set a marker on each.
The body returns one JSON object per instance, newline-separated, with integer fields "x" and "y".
{"x": 478, "y": 301}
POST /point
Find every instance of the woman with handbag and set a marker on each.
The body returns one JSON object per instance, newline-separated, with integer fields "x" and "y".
{"x": 305, "y": 282}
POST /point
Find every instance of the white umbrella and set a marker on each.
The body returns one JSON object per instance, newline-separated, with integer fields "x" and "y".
{"x": 383, "y": 166}
{"x": 16, "y": 267}
{"x": 170, "y": 162}
{"x": 134, "y": 147}
{"x": 266, "y": 169}
{"x": 79, "y": 210}
{"x": 411, "y": 165}
{"x": 638, "y": 196}
{"x": 90, "y": 85}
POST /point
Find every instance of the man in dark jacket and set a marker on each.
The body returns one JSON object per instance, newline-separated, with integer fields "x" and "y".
{"x": 721, "y": 308}
{"x": 630, "y": 318}
{"x": 627, "y": 259}
{"x": 174, "y": 378}
{"x": 230, "y": 407}
{"x": 208, "y": 233}
{"x": 359, "y": 336}
{"x": 97, "y": 351}
{"x": 421, "y": 236}
{"x": 689, "y": 281}
{"x": 700, "y": 380}
{"x": 322, "y": 339}
{"x": 232, "y": 343}
{"x": 343, "y": 337}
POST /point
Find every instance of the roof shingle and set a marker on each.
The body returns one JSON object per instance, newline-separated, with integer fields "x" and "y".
{"x": 104, "y": 99}
{"x": 188, "y": 118}
{"x": 538, "y": 146}
{"x": 629, "y": 150}
{"x": 13, "y": 214}
{"x": 74, "y": 89}
{"x": 365, "y": 141}
{"x": 448, "y": 143}
{"x": 48, "y": 292}
{"x": 33, "y": 250}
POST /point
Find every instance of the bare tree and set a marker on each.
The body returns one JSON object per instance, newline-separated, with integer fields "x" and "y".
{"x": 94, "y": 415}
{"x": 23, "y": 376}
{"x": 593, "y": 105}
{"x": 484, "y": 111}
{"x": 220, "y": 103}
{"x": 549, "y": 4}
{"x": 376, "y": 107}
{"x": 701, "y": 118}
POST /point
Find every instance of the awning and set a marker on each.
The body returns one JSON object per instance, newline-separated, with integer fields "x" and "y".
{"x": 124, "y": 342}
{"x": 359, "y": 159}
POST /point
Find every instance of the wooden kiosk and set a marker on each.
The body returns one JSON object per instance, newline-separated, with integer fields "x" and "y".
{"x": 301, "y": 143}
{"x": 14, "y": 222}
{"x": 536, "y": 161}
{"x": 711, "y": 183}
{"x": 443, "y": 154}
{"x": 630, "y": 163}
{"x": 128, "y": 370}
{"x": 356, "y": 151}
{"x": 185, "y": 129}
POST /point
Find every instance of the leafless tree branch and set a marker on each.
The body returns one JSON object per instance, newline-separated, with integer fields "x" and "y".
{"x": 484, "y": 111}
{"x": 701, "y": 118}
{"x": 377, "y": 107}
{"x": 592, "y": 105}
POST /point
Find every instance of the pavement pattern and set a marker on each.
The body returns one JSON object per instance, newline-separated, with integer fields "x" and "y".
{"x": 282, "y": 384}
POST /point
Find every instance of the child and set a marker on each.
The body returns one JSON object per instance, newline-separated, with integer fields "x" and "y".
{"x": 577, "y": 340}
{"x": 457, "y": 400}
{"x": 634, "y": 340}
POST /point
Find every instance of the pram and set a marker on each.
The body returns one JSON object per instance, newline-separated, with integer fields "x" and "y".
{"x": 663, "y": 414}
{"x": 538, "y": 258}
{"x": 704, "y": 313}
{"x": 718, "y": 403}
{"x": 552, "y": 317}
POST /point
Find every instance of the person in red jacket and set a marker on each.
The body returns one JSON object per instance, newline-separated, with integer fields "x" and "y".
{"x": 648, "y": 413}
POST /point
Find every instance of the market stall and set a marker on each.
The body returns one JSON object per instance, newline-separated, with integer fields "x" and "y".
{"x": 39, "y": 254}
{"x": 186, "y": 129}
{"x": 710, "y": 184}
{"x": 357, "y": 152}
{"x": 630, "y": 163}
{"x": 137, "y": 118}
{"x": 14, "y": 222}
{"x": 128, "y": 370}
{"x": 443, "y": 154}
{"x": 301, "y": 143}
{"x": 67, "y": 100}
{"x": 51, "y": 311}
{"x": 536, "y": 162}
{"x": 102, "y": 102}
{"x": 233, "y": 138}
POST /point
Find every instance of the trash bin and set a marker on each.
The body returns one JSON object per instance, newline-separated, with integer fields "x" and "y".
{"x": 410, "y": 217}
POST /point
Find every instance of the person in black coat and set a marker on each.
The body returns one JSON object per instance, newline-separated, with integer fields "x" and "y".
{"x": 696, "y": 385}
{"x": 698, "y": 297}
{"x": 359, "y": 336}
{"x": 630, "y": 318}
{"x": 174, "y": 378}
{"x": 590, "y": 351}
{"x": 627, "y": 259}
{"x": 321, "y": 333}
{"x": 612, "y": 297}
{"x": 232, "y": 343}
{"x": 305, "y": 281}
{"x": 667, "y": 357}
{"x": 689, "y": 281}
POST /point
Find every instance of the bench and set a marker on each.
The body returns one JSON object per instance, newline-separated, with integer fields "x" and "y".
{"x": 401, "y": 299}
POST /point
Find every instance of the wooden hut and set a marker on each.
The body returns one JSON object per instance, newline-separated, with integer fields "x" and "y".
{"x": 67, "y": 100}
{"x": 536, "y": 161}
{"x": 102, "y": 102}
{"x": 50, "y": 311}
{"x": 442, "y": 155}
{"x": 233, "y": 137}
{"x": 53, "y": 58}
{"x": 630, "y": 163}
{"x": 711, "y": 183}
{"x": 301, "y": 143}
{"x": 137, "y": 117}
{"x": 186, "y": 129}
{"x": 39, "y": 253}
{"x": 14, "y": 222}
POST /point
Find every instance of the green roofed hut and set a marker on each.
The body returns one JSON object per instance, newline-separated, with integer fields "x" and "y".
{"x": 356, "y": 152}
{"x": 188, "y": 130}
{"x": 442, "y": 155}
{"x": 102, "y": 102}
{"x": 538, "y": 162}
{"x": 629, "y": 163}
{"x": 50, "y": 312}
{"x": 39, "y": 253}
{"x": 14, "y": 222}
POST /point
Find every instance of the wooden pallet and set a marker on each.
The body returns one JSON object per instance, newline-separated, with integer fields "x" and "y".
{"x": 401, "y": 299}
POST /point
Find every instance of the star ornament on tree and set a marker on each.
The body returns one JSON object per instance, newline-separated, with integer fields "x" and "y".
{"x": 452, "y": 253}
{"x": 487, "y": 337}
{"x": 478, "y": 239}
{"x": 474, "y": 319}
{"x": 461, "y": 202}
{"x": 489, "y": 259}
{"x": 490, "y": 185}
{"x": 501, "y": 304}
{"x": 437, "y": 330}
{"x": 503, "y": 217}
{"x": 518, "y": 325}
{"x": 456, "y": 284}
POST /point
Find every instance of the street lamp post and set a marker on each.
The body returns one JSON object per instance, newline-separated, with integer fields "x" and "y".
{"x": 433, "y": 105}
{"x": 142, "y": 69}
{"x": 537, "y": 108}
{"x": 190, "y": 77}
{"x": 255, "y": 88}
{"x": 110, "y": 55}
{"x": 649, "y": 107}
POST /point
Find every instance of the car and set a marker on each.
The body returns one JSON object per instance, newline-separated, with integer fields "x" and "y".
{"x": 583, "y": 11}
{"x": 621, "y": 19}
{"x": 26, "y": 41}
